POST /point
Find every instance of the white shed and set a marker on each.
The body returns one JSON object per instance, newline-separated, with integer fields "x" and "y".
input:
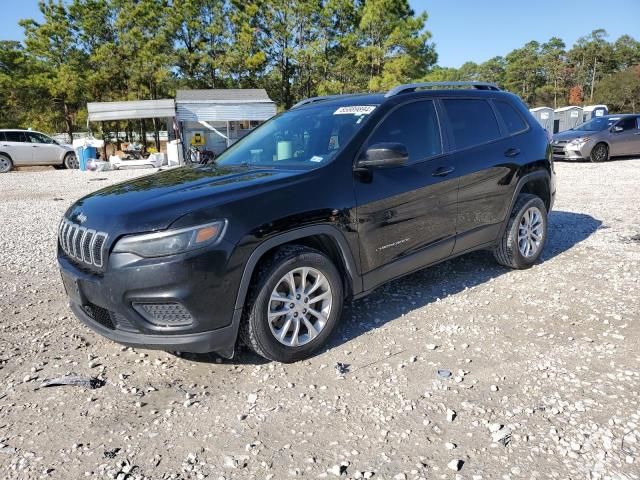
{"x": 567, "y": 118}
{"x": 544, "y": 116}
{"x": 593, "y": 111}
{"x": 214, "y": 119}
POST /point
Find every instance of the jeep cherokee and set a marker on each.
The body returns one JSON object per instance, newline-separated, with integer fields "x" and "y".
{"x": 322, "y": 203}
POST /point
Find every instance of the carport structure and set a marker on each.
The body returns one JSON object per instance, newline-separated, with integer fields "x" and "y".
{"x": 135, "y": 110}
{"x": 216, "y": 118}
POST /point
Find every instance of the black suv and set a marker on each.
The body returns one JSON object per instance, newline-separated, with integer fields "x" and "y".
{"x": 320, "y": 204}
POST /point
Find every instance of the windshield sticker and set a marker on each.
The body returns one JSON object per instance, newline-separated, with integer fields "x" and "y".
{"x": 355, "y": 110}
{"x": 316, "y": 158}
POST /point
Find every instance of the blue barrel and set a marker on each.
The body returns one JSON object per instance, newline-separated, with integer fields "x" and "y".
{"x": 86, "y": 153}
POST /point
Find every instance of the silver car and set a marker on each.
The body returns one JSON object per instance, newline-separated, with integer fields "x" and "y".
{"x": 21, "y": 148}
{"x": 599, "y": 139}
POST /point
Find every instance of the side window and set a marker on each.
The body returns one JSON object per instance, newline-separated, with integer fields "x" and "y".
{"x": 415, "y": 125}
{"x": 35, "y": 137}
{"x": 628, "y": 123}
{"x": 472, "y": 121}
{"x": 512, "y": 119}
{"x": 2, "y": 139}
{"x": 14, "y": 137}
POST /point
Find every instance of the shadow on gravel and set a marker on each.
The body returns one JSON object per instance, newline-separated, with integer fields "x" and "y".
{"x": 401, "y": 296}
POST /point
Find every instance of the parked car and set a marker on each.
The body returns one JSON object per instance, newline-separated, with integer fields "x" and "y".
{"x": 322, "y": 203}
{"x": 599, "y": 139}
{"x": 23, "y": 148}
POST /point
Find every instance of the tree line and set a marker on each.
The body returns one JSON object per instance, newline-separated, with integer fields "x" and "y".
{"x": 593, "y": 70}
{"x": 106, "y": 50}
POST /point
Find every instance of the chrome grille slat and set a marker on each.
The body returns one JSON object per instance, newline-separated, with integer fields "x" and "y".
{"x": 82, "y": 244}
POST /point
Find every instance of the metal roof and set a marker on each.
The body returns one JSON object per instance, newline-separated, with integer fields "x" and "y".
{"x": 106, "y": 111}
{"x": 224, "y": 95}
{"x": 210, "y": 111}
{"x": 570, "y": 107}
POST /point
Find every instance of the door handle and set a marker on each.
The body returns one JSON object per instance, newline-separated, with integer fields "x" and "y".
{"x": 34, "y": 146}
{"x": 443, "y": 171}
{"x": 512, "y": 152}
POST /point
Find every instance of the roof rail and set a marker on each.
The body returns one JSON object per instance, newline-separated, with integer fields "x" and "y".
{"x": 309, "y": 100}
{"x": 412, "y": 87}
{"x": 322, "y": 98}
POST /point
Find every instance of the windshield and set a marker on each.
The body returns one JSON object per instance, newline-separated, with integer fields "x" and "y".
{"x": 304, "y": 138}
{"x": 597, "y": 124}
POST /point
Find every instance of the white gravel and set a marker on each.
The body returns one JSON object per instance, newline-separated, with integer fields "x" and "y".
{"x": 544, "y": 365}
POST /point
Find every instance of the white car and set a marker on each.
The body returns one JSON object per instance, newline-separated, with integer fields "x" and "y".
{"x": 22, "y": 148}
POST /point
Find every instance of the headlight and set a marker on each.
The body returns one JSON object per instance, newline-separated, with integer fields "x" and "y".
{"x": 171, "y": 242}
{"x": 579, "y": 142}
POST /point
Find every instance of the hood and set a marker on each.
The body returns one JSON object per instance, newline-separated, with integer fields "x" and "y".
{"x": 569, "y": 135}
{"x": 156, "y": 201}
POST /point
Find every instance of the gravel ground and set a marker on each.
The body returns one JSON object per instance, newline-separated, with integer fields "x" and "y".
{"x": 544, "y": 364}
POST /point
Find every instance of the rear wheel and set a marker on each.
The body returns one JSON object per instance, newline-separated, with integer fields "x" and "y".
{"x": 5, "y": 164}
{"x": 71, "y": 161}
{"x": 525, "y": 235}
{"x": 293, "y": 306}
{"x": 599, "y": 153}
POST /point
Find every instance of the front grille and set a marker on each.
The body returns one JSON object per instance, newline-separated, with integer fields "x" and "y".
{"x": 82, "y": 244}
{"x": 164, "y": 314}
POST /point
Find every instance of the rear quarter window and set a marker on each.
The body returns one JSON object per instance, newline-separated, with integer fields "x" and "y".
{"x": 510, "y": 116}
{"x": 472, "y": 121}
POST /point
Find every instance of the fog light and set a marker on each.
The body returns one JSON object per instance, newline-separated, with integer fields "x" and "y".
{"x": 164, "y": 314}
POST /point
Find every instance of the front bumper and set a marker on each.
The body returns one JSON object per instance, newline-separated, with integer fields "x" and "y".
{"x": 202, "y": 283}
{"x": 570, "y": 152}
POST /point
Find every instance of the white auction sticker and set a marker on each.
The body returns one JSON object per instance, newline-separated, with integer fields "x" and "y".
{"x": 355, "y": 110}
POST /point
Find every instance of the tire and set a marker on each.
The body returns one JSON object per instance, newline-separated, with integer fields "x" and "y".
{"x": 71, "y": 161}
{"x": 599, "y": 153}
{"x": 6, "y": 165}
{"x": 259, "y": 330}
{"x": 511, "y": 250}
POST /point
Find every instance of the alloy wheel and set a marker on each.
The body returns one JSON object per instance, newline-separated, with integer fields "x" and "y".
{"x": 599, "y": 153}
{"x": 530, "y": 232}
{"x": 299, "y": 306}
{"x": 5, "y": 165}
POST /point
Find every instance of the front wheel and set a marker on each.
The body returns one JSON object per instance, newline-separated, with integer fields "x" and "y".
{"x": 294, "y": 304}
{"x": 599, "y": 153}
{"x": 525, "y": 235}
{"x": 71, "y": 161}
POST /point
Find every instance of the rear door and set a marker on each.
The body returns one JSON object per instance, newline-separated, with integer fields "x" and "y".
{"x": 485, "y": 156}
{"x": 45, "y": 150}
{"x": 16, "y": 146}
{"x": 406, "y": 215}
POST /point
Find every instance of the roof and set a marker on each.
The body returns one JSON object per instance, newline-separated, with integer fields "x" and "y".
{"x": 537, "y": 109}
{"x": 105, "y": 111}
{"x": 591, "y": 108}
{"x": 223, "y": 95}
{"x": 564, "y": 109}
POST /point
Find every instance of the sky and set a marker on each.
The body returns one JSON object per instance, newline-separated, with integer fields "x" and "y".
{"x": 468, "y": 30}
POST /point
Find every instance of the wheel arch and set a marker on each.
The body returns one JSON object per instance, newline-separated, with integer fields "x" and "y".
{"x": 537, "y": 183}
{"x": 325, "y": 238}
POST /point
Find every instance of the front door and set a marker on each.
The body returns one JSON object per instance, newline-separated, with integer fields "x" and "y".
{"x": 406, "y": 215}
{"x": 627, "y": 140}
{"x": 45, "y": 150}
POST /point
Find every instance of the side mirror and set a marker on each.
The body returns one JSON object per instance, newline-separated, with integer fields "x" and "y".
{"x": 616, "y": 129}
{"x": 384, "y": 155}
